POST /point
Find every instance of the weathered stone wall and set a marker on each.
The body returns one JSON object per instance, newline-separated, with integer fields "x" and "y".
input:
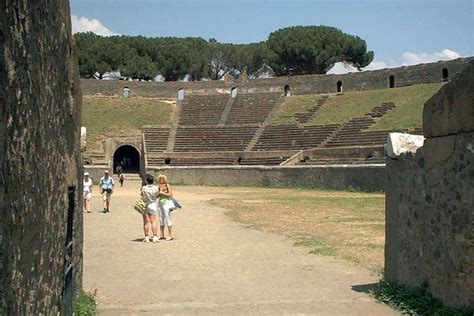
{"x": 430, "y": 200}
{"x": 367, "y": 178}
{"x": 40, "y": 112}
{"x": 309, "y": 84}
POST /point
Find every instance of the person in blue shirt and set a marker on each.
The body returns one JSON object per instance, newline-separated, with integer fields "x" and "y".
{"x": 106, "y": 189}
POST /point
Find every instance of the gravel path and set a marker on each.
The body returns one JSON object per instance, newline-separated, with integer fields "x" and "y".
{"x": 214, "y": 266}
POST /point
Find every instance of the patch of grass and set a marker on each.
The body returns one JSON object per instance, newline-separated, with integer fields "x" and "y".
{"x": 347, "y": 225}
{"x": 339, "y": 108}
{"x": 292, "y": 105}
{"x": 85, "y": 305}
{"x": 107, "y": 117}
{"x": 409, "y": 110}
{"x": 416, "y": 301}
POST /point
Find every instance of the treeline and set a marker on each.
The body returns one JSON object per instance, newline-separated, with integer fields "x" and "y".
{"x": 294, "y": 50}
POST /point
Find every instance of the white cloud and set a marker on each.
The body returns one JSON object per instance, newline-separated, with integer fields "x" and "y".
{"x": 408, "y": 58}
{"x": 83, "y": 24}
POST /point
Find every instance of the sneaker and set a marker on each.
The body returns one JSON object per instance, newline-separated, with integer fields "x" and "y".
{"x": 105, "y": 210}
{"x": 147, "y": 239}
{"x": 169, "y": 238}
{"x": 155, "y": 238}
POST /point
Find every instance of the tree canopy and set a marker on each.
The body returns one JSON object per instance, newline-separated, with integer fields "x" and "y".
{"x": 292, "y": 50}
{"x": 315, "y": 50}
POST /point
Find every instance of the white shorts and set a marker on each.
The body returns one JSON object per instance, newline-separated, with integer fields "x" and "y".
{"x": 152, "y": 209}
{"x": 165, "y": 218}
{"x": 86, "y": 195}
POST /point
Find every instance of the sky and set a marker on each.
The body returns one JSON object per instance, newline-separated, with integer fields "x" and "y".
{"x": 403, "y": 32}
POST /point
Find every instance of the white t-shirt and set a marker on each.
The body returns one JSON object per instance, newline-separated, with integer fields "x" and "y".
{"x": 87, "y": 185}
{"x": 151, "y": 193}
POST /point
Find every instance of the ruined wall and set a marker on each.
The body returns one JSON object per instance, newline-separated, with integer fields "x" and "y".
{"x": 430, "y": 200}
{"x": 309, "y": 84}
{"x": 40, "y": 112}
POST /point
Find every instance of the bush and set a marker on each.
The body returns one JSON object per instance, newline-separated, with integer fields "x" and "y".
{"x": 85, "y": 305}
{"x": 416, "y": 301}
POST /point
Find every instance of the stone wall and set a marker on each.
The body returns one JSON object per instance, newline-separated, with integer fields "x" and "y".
{"x": 40, "y": 113}
{"x": 309, "y": 84}
{"x": 430, "y": 200}
{"x": 367, "y": 178}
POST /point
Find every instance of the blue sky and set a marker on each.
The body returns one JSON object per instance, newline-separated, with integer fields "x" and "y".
{"x": 399, "y": 32}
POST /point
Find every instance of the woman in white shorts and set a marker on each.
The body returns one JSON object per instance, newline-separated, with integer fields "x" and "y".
{"x": 165, "y": 205}
{"x": 150, "y": 194}
{"x": 87, "y": 192}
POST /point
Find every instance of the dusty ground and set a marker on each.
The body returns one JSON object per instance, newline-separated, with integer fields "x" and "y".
{"x": 215, "y": 266}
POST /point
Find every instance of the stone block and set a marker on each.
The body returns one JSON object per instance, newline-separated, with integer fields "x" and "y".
{"x": 451, "y": 110}
{"x": 400, "y": 143}
{"x": 83, "y": 138}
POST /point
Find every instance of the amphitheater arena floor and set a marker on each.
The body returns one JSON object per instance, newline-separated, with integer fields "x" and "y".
{"x": 214, "y": 266}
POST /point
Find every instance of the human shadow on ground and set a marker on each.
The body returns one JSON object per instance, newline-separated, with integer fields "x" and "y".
{"x": 364, "y": 288}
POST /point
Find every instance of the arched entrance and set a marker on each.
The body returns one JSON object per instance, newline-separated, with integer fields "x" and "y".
{"x": 233, "y": 92}
{"x": 339, "y": 86}
{"x": 445, "y": 74}
{"x": 128, "y": 157}
{"x": 287, "y": 91}
{"x": 391, "y": 82}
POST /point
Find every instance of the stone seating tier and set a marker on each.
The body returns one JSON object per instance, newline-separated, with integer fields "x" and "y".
{"x": 343, "y": 161}
{"x": 213, "y": 138}
{"x": 202, "y": 110}
{"x": 285, "y": 137}
{"x": 252, "y": 108}
{"x": 215, "y": 161}
{"x": 156, "y": 138}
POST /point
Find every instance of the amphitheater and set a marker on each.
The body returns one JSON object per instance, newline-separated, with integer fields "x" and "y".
{"x": 257, "y": 132}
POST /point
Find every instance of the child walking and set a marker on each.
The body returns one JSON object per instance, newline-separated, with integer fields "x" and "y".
{"x": 165, "y": 205}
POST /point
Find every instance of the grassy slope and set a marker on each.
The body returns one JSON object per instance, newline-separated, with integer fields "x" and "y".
{"x": 106, "y": 117}
{"x": 339, "y": 108}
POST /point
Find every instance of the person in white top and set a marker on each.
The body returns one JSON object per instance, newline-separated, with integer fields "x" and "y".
{"x": 150, "y": 193}
{"x": 87, "y": 192}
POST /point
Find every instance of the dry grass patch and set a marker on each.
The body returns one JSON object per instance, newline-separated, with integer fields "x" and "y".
{"x": 346, "y": 225}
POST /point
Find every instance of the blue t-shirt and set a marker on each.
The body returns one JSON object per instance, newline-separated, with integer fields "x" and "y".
{"x": 106, "y": 183}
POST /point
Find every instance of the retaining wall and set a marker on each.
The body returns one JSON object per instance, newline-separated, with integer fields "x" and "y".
{"x": 430, "y": 200}
{"x": 340, "y": 177}
{"x": 308, "y": 84}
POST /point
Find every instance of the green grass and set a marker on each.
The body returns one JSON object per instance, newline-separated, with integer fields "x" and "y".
{"x": 292, "y": 105}
{"x": 416, "y": 301}
{"x": 339, "y": 108}
{"x": 85, "y": 305}
{"x": 109, "y": 117}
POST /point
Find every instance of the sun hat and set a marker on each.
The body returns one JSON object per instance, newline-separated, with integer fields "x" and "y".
{"x": 86, "y": 173}
{"x": 106, "y": 171}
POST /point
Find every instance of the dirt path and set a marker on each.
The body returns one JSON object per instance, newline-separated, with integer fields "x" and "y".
{"x": 215, "y": 266}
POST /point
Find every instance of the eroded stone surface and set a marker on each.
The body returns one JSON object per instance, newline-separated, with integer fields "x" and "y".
{"x": 40, "y": 112}
{"x": 451, "y": 110}
{"x": 400, "y": 143}
{"x": 430, "y": 201}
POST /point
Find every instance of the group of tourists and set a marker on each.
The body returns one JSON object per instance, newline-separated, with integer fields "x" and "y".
{"x": 158, "y": 201}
